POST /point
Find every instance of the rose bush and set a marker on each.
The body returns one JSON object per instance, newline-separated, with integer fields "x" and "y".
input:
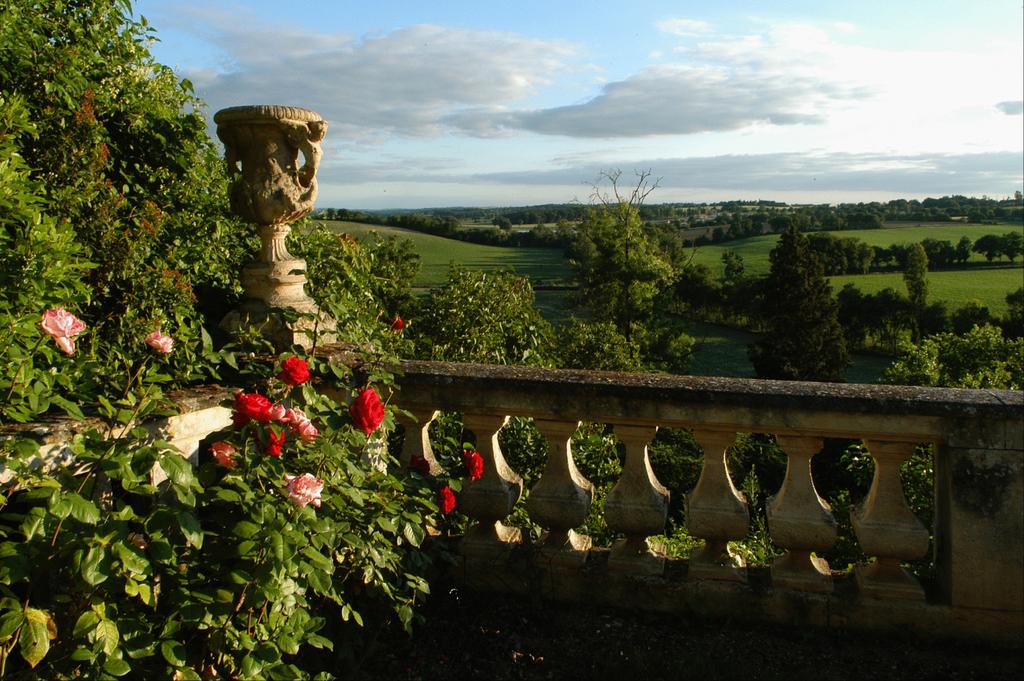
{"x": 253, "y": 565}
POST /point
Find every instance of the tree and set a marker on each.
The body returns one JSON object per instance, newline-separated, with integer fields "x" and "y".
{"x": 1012, "y": 245}
{"x": 991, "y": 245}
{"x": 963, "y": 249}
{"x": 916, "y": 279}
{"x": 482, "y": 317}
{"x": 980, "y": 358}
{"x": 617, "y": 267}
{"x": 1013, "y": 321}
{"x": 120, "y": 148}
{"x": 804, "y": 340}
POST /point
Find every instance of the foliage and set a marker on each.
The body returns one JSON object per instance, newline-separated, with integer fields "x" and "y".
{"x": 116, "y": 150}
{"x": 595, "y": 345}
{"x": 482, "y": 317}
{"x": 618, "y": 268}
{"x": 981, "y": 358}
{"x": 41, "y": 267}
{"x": 804, "y": 340}
{"x": 107, "y": 571}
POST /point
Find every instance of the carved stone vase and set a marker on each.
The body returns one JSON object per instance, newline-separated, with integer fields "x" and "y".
{"x": 269, "y": 187}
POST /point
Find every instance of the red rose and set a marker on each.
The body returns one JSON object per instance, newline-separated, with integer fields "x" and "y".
{"x": 275, "y": 442}
{"x": 474, "y": 463}
{"x": 397, "y": 324}
{"x": 446, "y": 499}
{"x": 251, "y": 407}
{"x": 420, "y": 465}
{"x": 367, "y": 411}
{"x": 294, "y": 371}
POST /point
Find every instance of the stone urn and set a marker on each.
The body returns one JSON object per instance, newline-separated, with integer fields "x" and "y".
{"x": 270, "y": 188}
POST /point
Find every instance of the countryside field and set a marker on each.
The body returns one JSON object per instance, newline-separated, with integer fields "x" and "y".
{"x": 720, "y": 351}
{"x": 979, "y": 282}
{"x": 754, "y": 250}
{"x": 544, "y": 266}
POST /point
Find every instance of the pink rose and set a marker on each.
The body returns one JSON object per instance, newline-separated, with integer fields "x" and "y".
{"x": 62, "y": 326}
{"x": 304, "y": 489}
{"x": 223, "y": 453}
{"x": 367, "y": 411}
{"x": 301, "y": 425}
{"x": 280, "y": 413}
{"x": 159, "y": 342}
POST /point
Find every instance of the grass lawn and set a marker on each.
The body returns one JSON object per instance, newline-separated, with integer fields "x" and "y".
{"x": 544, "y": 266}
{"x": 755, "y": 250}
{"x": 977, "y": 281}
{"x": 988, "y": 286}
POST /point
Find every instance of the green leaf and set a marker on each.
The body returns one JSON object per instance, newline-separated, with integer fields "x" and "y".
{"x": 245, "y": 529}
{"x": 86, "y": 624}
{"x": 318, "y": 559}
{"x": 174, "y": 653}
{"x": 116, "y": 666}
{"x": 96, "y": 566}
{"x": 82, "y": 509}
{"x": 133, "y": 559}
{"x": 178, "y": 469}
{"x": 70, "y": 408}
{"x": 191, "y": 529}
{"x": 414, "y": 534}
{"x": 33, "y": 523}
{"x": 107, "y": 634}
{"x": 10, "y": 621}
{"x": 35, "y": 636}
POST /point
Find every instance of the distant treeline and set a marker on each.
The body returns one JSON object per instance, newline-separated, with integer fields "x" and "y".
{"x": 735, "y": 216}
{"x": 849, "y": 255}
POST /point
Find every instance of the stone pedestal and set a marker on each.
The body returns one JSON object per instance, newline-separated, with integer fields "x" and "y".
{"x": 262, "y": 146}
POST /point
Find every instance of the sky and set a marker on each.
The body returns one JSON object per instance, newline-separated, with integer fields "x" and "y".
{"x": 496, "y": 103}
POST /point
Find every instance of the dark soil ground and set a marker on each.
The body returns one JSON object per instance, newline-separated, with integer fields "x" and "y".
{"x": 476, "y": 636}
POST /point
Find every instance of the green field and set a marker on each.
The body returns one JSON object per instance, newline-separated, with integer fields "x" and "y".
{"x": 956, "y": 287}
{"x": 544, "y": 266}
{"x": 978, "y": 281}
{"x": 755, "y": 250}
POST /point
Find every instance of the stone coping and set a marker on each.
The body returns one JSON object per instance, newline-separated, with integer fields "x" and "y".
{"x": 569, "y": 384}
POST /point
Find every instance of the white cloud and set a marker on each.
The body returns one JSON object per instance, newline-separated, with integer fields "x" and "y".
{"x": 684, "y": 27}
{"x": 401, "y": 82}
{"x": 1011, "y": 108}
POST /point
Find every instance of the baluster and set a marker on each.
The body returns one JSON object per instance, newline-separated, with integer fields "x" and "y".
{"x": 491, "y": 498}
{"x": 637, "y": 506}
{"x": 716, "y": 512}
{"x": 417, "y": 438}
{"x": 560, "y": 499}
{"x": 887, "y": 529}
{"x": 800, "y": 521}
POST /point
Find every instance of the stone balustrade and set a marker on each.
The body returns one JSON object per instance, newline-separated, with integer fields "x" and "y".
{"x": 978, "y": 533}
{"x": 977, "y": 539}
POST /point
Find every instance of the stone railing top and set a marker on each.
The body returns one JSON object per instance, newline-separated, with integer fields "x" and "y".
{"x": 845, "y": 397}
{"x": 750, "y": 405}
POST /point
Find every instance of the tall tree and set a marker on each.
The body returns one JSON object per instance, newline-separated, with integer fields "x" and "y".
{"x": 618, "y": 267}
{"x": 804, "y": 340}
{"x": 915, "y": 276}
